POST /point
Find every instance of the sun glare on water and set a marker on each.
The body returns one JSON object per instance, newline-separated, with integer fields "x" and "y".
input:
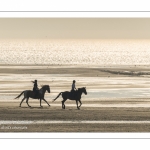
{"x": 91, "y": 52}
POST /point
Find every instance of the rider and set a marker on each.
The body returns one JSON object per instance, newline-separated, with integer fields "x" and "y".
{"x": 35, "y": 88}
{"x": 73, "y": 88}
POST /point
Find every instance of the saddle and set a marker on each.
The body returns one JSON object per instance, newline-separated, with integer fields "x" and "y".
{"x": 36, "y": 94}
{"x": 72, "y": 94}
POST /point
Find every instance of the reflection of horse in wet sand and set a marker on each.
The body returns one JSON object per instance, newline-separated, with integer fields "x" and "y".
{"x": 30, "y": 94}
{"x": 77, "y": 96}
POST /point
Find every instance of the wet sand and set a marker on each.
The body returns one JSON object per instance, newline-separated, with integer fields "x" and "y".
{"x": 113, "y": 95}
{"x": 11, "y": 112}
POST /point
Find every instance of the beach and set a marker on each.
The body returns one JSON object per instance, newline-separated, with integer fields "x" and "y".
{"x": 117, "y": 98}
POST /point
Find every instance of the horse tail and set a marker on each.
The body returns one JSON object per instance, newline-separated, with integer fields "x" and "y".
{"x": 19, "y": 95}
{"x": 57, "y": 96}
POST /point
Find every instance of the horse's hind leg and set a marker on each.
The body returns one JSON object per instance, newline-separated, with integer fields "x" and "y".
{"x": 27, "y": 102}
{"x": 63, "y": 104}
{"x": 22, "y": 101}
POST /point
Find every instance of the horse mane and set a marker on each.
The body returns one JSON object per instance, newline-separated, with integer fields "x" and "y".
{"x": 44, "y": 85}
{"x": 81, "y": 88}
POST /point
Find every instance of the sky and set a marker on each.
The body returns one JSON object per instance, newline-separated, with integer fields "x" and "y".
{"x": 75, "y": 28}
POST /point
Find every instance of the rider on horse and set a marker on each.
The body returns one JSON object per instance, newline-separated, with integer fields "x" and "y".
{"x": 35, "y": 88}
{"x": 73, "y": 90}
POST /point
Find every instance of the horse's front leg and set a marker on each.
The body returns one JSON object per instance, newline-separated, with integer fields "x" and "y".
{"x": 80, "y": 103}
{"x": 40, "y": 102}
{"x": 46, "y": 102}
{"x": 77, "y": 104}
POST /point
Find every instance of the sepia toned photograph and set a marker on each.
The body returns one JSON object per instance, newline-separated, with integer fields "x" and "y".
{"x": 75, "y": 75}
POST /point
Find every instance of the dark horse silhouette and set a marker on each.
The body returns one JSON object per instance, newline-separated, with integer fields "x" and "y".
{"x": 77, "y": 96}
{"x": 30, "y": 94}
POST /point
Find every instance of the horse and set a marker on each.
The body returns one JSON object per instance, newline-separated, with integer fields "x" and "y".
{"x": 30, "y": 94}
{"x": 77, "y": 96}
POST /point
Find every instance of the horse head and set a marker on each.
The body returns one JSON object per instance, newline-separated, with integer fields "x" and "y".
{"x": 46, "y": 88}
{"x": 83, "y": 90}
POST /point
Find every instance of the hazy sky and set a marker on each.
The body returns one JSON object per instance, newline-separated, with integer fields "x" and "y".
{"x": 75, "y": 28}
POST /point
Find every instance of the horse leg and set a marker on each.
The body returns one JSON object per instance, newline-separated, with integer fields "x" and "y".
{"x": 40, "y": 102}
{"x": 46, "y": 102}
{"x": 27, "y": 102}
{"x": 80, "y": 103}
{"x": 22, "y": 101}
{"x": 77, "y": 104}
{"x": 63, "y": 104}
